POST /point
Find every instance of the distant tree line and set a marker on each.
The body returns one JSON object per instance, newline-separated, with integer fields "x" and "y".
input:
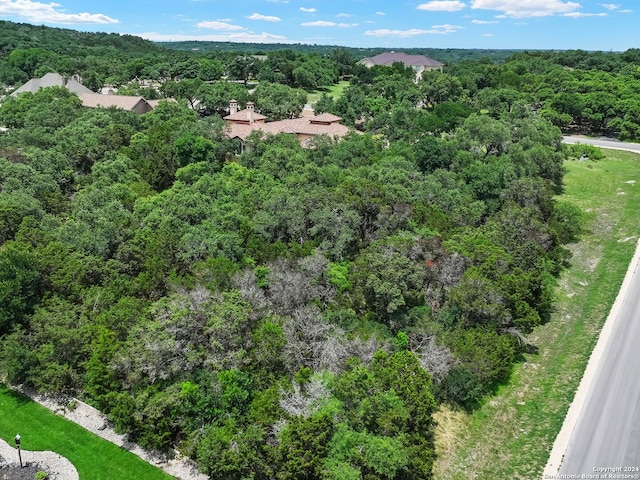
{"x": 589, "y": 92}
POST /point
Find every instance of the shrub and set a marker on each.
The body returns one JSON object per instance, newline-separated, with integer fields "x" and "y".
{"x": 577, "y": 150}
{"x": 460, "y": 387}
{"x": 568, "y": 222}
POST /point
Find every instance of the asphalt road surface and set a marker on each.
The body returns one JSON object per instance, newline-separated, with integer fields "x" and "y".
{"x": 605, "y": 441}
{"x": 603, "y": 142}
{"x": 607, "y": 432}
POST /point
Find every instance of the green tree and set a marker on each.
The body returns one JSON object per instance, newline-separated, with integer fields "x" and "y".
{"x": 101, "y": 377}
{"x": 243, "y": 67}
{"x": 389, "y": 280}
{"x": 363, "y": 455}
{"x": 14, "y": 208}
{"x": 215, "y": 96}
{"x": 343, "y": 60}
{"x": 19, "y": 286}
{"x": 437, "y": 87}
{"x": 186, "y": 89}
{"x": 193, "y": 149}
{"x": 156, "y": 156}
{"x": 28, "y": 60}
{"x": 278, "y": 102}
{"x": 61, "y": 339}
{"x": 228, "y": 452}
{"x": 210, "y": 70}
{"x": 303, "y": 447}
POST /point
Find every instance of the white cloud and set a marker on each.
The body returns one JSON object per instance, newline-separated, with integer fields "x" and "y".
{"x": 380, "y": 13}
{"x": 324, "y": 23}
{"x": 308, "y": 10}
{"x": 50, "y": 13}
{"x": 488, "y": 34}
{"x": 344, "y": 15}
{"x": 442, "y": 6}
{"x": 244, "y": 37}
{"x": 266, "y": 18}
{"x": 580, "y": 14}
{"x": 223, "y": 26}
{"x": 385, "y": 32}
{"x": 435, "y": 30}
{"x": 615, "y": 6}
{"x": 446, "y": 28}
{"x": 483, "y": 22}
{"x": 526, "y": 8}
{"x": 319, "y": 23}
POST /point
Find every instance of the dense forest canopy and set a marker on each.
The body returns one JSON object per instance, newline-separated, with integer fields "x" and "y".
{"x": 286, "y": 312}
{"x": 445, "y": 55}
{"x": 63, "y": 40}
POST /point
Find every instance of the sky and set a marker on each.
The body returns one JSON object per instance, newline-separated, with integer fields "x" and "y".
{"x": 491, "y": 24}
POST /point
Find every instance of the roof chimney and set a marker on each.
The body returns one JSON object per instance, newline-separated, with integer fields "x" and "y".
{"x": 250, "y": 112}
{"x": 233, "y": 107}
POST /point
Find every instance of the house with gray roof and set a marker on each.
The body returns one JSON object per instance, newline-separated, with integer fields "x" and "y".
{"x": 87, "y": 97}
{"x": 123, "y": 102}
{"x": 419, "y": 63}
{"x": 52, "y": 80}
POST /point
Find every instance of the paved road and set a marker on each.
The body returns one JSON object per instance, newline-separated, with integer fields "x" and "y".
{"x": 605, "y": 439}
{"x": 603, "y": 142}
{"x": 607, "y": 432}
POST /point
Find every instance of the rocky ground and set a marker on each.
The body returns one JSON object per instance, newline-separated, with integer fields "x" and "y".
{"x": 14, "y": 472}
{"x": 56, "y": 466}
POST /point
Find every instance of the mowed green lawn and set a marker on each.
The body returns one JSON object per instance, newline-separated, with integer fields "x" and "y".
{"x": 93, "y": 457}
{"x": 334, "y": 91}
{"x": 511, "y": 434}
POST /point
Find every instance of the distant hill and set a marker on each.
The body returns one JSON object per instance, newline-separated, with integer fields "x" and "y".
{"x": 445, "y": 55}
{"x": 29, "y": 51}
{"x": 64, "y": 41}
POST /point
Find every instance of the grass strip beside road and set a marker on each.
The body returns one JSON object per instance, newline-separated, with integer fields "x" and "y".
{"x": 93, "y": 457}
{"x": 511, "y": 435}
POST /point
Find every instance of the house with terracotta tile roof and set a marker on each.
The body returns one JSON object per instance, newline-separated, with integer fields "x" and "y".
{"x": 125, "y": 102}
{"x": 248, "y": 116}
{"x": 241, "y": 123}
{"x": 419, "y": 63}
{"x": 52, "y": 80}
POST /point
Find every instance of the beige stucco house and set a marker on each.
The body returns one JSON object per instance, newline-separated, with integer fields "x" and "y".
{"x": 419, "y": 63}
{"x": 242, "y": 122}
